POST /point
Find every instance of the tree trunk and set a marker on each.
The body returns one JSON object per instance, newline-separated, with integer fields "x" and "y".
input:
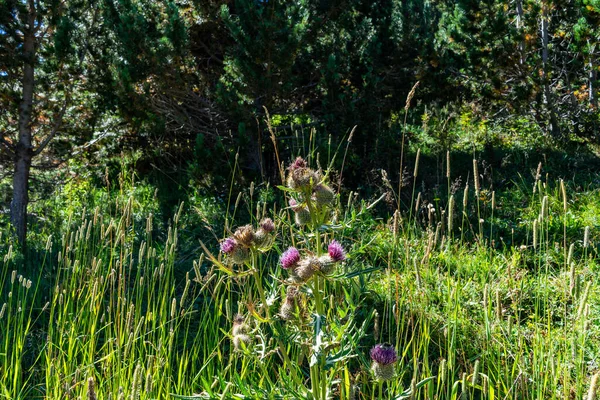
{"x": 592, "y": 82}
{"x": 24, "y": 150}
{"x": 18, "y": 206}
{"x": 520, "y": 30}
{"x": 548, "y": 98}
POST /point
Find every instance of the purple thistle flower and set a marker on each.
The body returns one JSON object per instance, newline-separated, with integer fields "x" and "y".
{"x": 384, "y": 354}
{"x": 267, "y": 225}
{"x": 298, "y": 163}
{"x": 228, "y": 245}
{"x": 289, "y": 258}
{"x": 336, "y": 251}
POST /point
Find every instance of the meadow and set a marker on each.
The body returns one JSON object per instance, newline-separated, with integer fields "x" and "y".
{"x": 473, "y": 293}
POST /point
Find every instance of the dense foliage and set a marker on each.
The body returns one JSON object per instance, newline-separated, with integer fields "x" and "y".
{"x": 188, "y": 82}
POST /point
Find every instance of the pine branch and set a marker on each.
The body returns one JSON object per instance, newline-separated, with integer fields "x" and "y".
{"x": 56, "y": 126}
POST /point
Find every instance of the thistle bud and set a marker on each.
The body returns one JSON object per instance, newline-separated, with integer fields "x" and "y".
{"x": 294, "y": 205}
{"x": 288, "y": 308}
{"x": 384, "y": 357}
{"x": 323, "y": 195}
{"x": 240, "y": 255}
{"x": 267, "y": 225}
{"x": 299, "y": 162}
{"x": 263, "y": 240}
{"x": 306, "y": 269}
{"x": 327, "y": 264}
{"x": 302, "y": 217}
{"x": 240, "y": 342}
{"x": 302, "y": 179}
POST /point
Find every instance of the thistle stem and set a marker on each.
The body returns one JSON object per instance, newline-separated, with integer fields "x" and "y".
{"x": 259, "y": 285}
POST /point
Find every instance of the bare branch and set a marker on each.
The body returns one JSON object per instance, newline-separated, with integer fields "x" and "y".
{"x": 55, "y": 127}
{"x": 6, "y": 145}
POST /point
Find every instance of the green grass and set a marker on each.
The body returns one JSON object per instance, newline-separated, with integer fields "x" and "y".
{"x": 127, "y": 304}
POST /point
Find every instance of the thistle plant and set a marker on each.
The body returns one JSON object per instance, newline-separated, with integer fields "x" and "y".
{"x": 302, "y": 314}
{"x": 313, "y": 203}
{"x": 384, "y": 358}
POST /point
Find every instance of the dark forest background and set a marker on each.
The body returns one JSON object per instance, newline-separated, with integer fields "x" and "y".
{"x": 179, "y": 90}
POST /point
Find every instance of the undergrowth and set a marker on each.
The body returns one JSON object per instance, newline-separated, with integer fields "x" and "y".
{"x": 480, "y": 294}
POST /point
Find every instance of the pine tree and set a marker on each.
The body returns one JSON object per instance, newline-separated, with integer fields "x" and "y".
{"x": 43, "y": 45}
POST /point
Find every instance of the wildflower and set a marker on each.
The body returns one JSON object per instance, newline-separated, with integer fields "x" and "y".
{"x": 384, "y": 357}
{"x": 302, "y": 214}
{"x": 262, "y": 237}
{"x": 336, "y": 251}
{"x": 302, "y": 179}
{"x": 306, "y": 269}
{"x": 228, "y": 245}
{"x": 299, "y": 162}
{"x": 290, "y": 258}
{"x": 267, "y": 225}
{"x": 240, "y": 331}
{"x": 294, "y": 205}
{"x": 288, "y": 307}
{"x": 239, "y": 325}
{"x": 244, "y": 235}
{"x": 287, "y": 310}
{"x": 240, "y": 342}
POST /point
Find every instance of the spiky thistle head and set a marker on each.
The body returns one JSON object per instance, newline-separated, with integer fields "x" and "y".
{"x": 336, "y": 251}
{"x": 327, "y": 264}
{"x": 244, "y": 235}
{"x": 228, "y": 245}
{"x": 302, "y": 216}
{"x": 384, "y": 357}
{"x": 288, "y": 308}
{"x": 299, "y": 162}
{"x": 240, "y": 342}
{"x": 263, "y": 237}
{"x": 301, "y": 177}
{"x": 239, "y": 325}
{"x": 240, "y": 255}
{"x": 323, "y": 195}
{"x": 267, "y": 225}
{"x": 306, "y": 269}
{"x": 294, "y": 204}
{"x": 384, "y": 354}
{"x": 290, "y": 258}
{"x": 291, "y": 293}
